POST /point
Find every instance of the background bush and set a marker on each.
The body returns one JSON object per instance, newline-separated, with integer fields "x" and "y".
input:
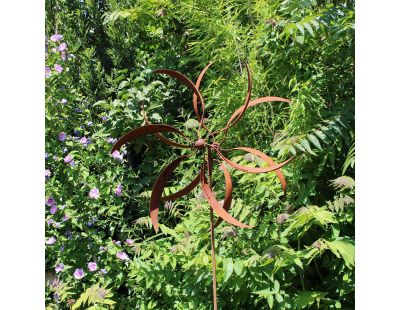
{"x": 300, "y": 253}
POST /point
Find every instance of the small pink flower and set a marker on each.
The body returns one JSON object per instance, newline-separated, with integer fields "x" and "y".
{"x": 92, "y": 266}
{"x": 62, "y": 47}
{"x": 58, "y": 68}
{"x": 94, "y": 193}
{"x": 68, "y": 159}
{"x": 79, "y": 273}
{"x": 118, "y": 190}
{"x": 56, "y": 37}
{"x": 47, "y": 71}
{"x": 51, "y": 240}
{"x": 122, "y": 256}
{"x": 116, "y": 155}
{"x": 129, "y": 241}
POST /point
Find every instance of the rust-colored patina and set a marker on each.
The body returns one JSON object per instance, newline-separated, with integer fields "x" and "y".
{"x": 208, "y": 149}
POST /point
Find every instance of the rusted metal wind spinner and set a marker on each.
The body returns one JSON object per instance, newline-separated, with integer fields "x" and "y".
{"x": 208, "y": 147}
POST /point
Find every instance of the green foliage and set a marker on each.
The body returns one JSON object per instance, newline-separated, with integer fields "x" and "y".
{"x": 300, "y": 253}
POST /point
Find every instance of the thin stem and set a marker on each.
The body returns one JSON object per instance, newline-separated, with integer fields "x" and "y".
{"x": 214, "y": 262}
{"x": 301, "y": 270}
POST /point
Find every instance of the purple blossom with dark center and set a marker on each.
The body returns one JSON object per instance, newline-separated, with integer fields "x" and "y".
{"x": 92, "y": 266}
{"x": 116, "y": 154}
{"x": 47, "y": 173}
{"x": 129, "y": 241}
{"x": 122, "y": 256}
{"x": 53, "y": 210}
{"x": 58, "y": 68}
{"x": 79, "y": 273}
{"x": 56, "y": 37}
{"x": 118, "y": 190}
{"x": 51, "y": 240}
{"x": 104, "y": 118}
{"x": 62, "y": 47}
{"x": 63, "y": 101}
{"x": 72, "y": 163}
{"x": 61, "y": 136}
{"x": 56, "y": 297}
{"x": 89, "y": 224}
{"x": 103, "y": 271}
{"x": 117, "y": 242}
{"x": 59, "y": 267}
{"x": 94, "y": 193}
{"x": 65, "y": 218}
{"x": 47, "y": 71}
{"x": 77, "y": 132}
{"x": 83, "y": 141}
{"x": 63, "y": 56}
{"x": 67, "y": 159}
{"x": 50, "y": 221}
{"x": 50, "y": 201}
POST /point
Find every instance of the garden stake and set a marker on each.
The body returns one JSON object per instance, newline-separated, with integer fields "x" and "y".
{"x": 207, "y": 149}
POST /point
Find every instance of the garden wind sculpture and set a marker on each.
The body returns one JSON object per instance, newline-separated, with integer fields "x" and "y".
{"x": 211, "y": 152}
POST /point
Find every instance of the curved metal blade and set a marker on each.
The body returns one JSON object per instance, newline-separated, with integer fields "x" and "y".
{"x": 158, "y": 189}
{"x": 216, "y": 206}
{"x": 266, "y": 158}
{"x": 185, "y": 80}
{"x": 184, "y": 191}
{"x": 255, "y": 102}
{"x": 228, "y": 193}
{"x": 251, "y": 169}
{"x": 142, "y": 131}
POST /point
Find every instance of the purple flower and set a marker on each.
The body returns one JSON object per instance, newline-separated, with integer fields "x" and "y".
{"x": 62, "y": 207}
{"x": 94, "y": 193}
{"x": 50, "y": 221}
{"x": 63, "y": 56}
{"x": 56, "y": 37}
{"x": 65, "y": 217}
{"x": 92, "y": 266}
{"x": 122, "y": 256}
{"x": 56, "y": 224}
{"x": 47, "y": 71}
{"x": 68, "y": 159}
{"x": 47, "y": 173}
{"x": 89, "y": 224}
{"x": 50, "y": 201}
{"x": 84, "y": 141}
{"x": 72, "y": 163}
{"x": 116, "y": 155}
{"x": 104, "y": 118}
{"x": 61, "y": 136}
{"x": 53, "y": 210}
{"x": 118, "y": 190}
{"x": 79, "y": 273}
{"x": 129, "y": 241}
{"x": 77, "y": 132}
{"x": 79, "y": 111}
{"x": 51, "y": 240}
{"x": 111, "y": 140}
{"x": 90, "y": 123}
{"x": 58, "y": 68}
{"x": 46, "y": 155}
{"x": 64, "y": 101}
{"x": 62, "y": 248}
{"x": 117, "y": 242}
{"x": 103, "y": 271}
{"x": 59, "y": 267}
{"x": 62, "y": 47}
